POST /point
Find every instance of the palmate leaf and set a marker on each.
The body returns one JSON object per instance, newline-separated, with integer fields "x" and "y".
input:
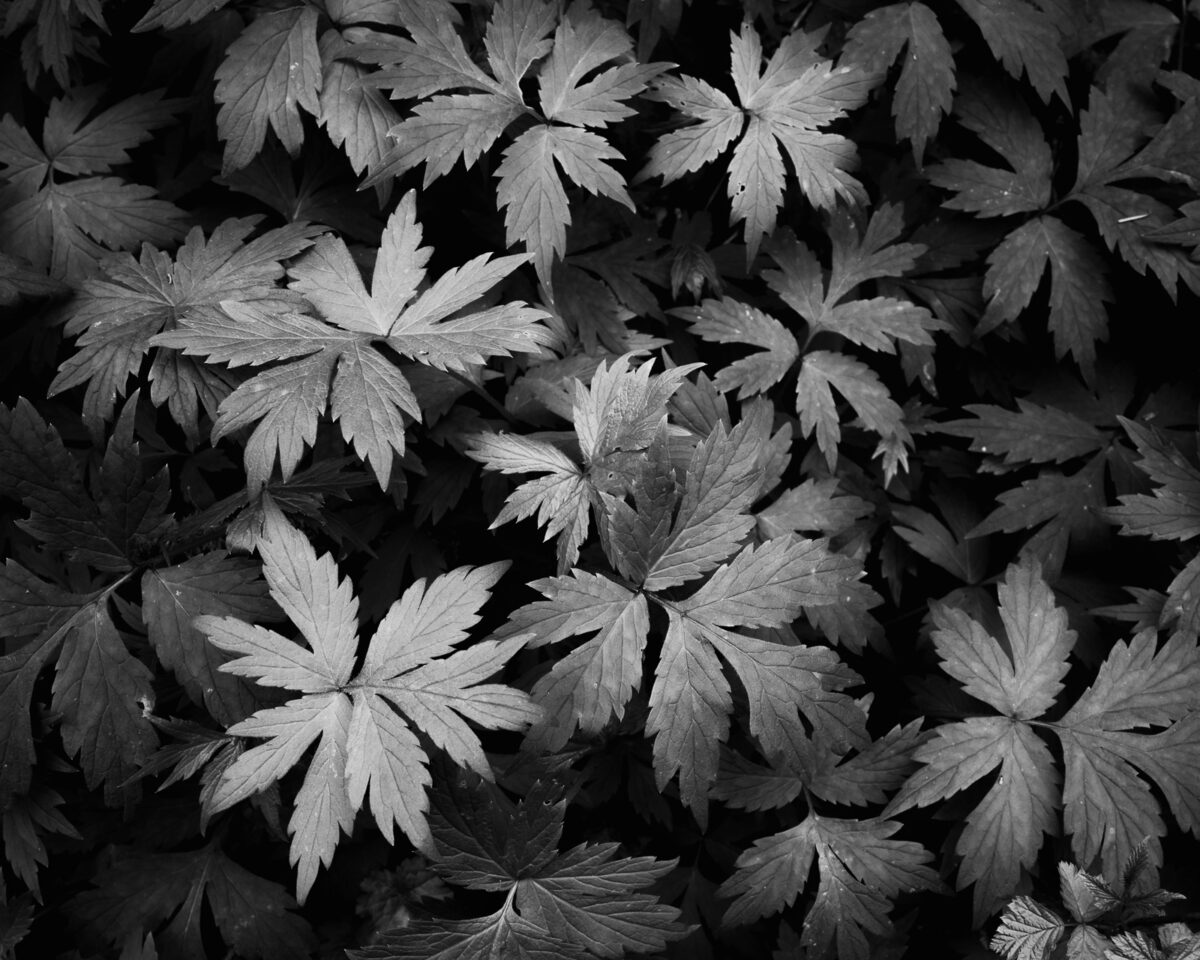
{"x": 362, "y": 721}
{"x": 822, "y": 370}
{"x": 1025, "y": 40}
{"x": 1108, "y": 808}
{"x": 730, "y": 321}
{"x": 856, "y": 778}
{"x": 1033, "y": 433}
{"x": 674, "y": 534}
{"x": 827, "y": 304}
{"x": 861, "y": 870}
{"x": 129, "y": 301}
{"x": 138, "y": 892}
{"x": 582, "y": 902}
{"x": 615, "y": 417}
{"x": 100, "y": 690}
{"x": 1079, "y": 288}
{"x": 1172, "y": 510}
{"x": 783, "y": 103}
{"x": 337, "y": 363}
{"x": 562, "y": 141}
{"x": 66, "y": 226}
{"x": 212, "y": 584}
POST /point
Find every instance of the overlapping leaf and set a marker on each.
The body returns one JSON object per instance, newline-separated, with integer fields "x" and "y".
{"x": 100, "y": 690}
{"x": 615, "y": 417}
{"x": 129, "y": 301}
{"x": 925, "y": 88}
{"x": 571, "y": 108}
{"x": 783, "y": 103}
{"x": 674, "y": 534}
{"x": 141, "y": 891}
{"x": 1108, "y": 807}
{"x": 66, "y": 226}
{"x": 271, "y": 70}
{"x": 338, "y": 362}
{"x": 363, "y": 721}
{"x": 582, "y": 902}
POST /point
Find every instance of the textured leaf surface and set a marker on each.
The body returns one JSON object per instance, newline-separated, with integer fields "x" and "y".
{"x": 338, "y": 363}
{"x": 584, "y": 901}
{"x": 860, "y": 870}
{"x": 271, "y": 70}
{"x": 68, "y": 226}
{"x": 1108, "y": 807}
{"x": 925, "y": 88}
{"x": 782, "y": 106}
{"x": 142, "y": 891}
{"x": 132, "y": 300}
{"x": 365, "y": 745}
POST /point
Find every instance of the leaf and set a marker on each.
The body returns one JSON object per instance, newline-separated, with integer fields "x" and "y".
{"x": 212, "y": 584}
{"x": 615, "y": 418}
{"x": 860, "y": 870}
{"x": 338, "y": 363}
{"x": 719, "y": 485}
{"x": 141, "y": 891}
{"x": 173, "y": 14}
{"x": 269, "y": 71}
{"x": 501, "y": 934}
{"x": 858, "y": 778}
{"x": 1024, "y": 39}
{"x": 411, "y": 679}
{"x": 730, "y": 321}
{"x": 1172, "y": 511}
{"x": 822, "y": 369}
{"x": 357, "y": 117}
{"x": 532, "y": 193}
{"x": 1107, "y": 808}
{"x": 929, "y": 537}
{"x": 130, "y": 301}
{"x": 1066, "y": 505}
{"x": 782, "y": 105}
{"x": 814, "y": 506}
{"x": 1006, "y": 125}
{"x": 25, "y": 820}
{"x": 100, "y": 691}
{"x": 452, "y": 126}
{"x": 66, "y": 226}
{"x": 1078, "y": 286}
{"x": 858, "y": 255}
{"x": 1034, "y": 433}
{"x": 1128, "y": 219}
{"x": 584, "y": 897}
{"x": 1027, "y": 931}
{"x": 690, "y": 701}
{"x": 925, "y": 89}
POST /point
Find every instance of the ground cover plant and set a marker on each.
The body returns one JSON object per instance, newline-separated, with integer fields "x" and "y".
{"x": 528, "y": 479}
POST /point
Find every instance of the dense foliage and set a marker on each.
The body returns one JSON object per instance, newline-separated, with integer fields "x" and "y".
{"x": 529, "y": 479}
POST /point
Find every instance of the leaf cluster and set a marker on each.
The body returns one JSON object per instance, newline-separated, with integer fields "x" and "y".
{"x": 591, "y": 479}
